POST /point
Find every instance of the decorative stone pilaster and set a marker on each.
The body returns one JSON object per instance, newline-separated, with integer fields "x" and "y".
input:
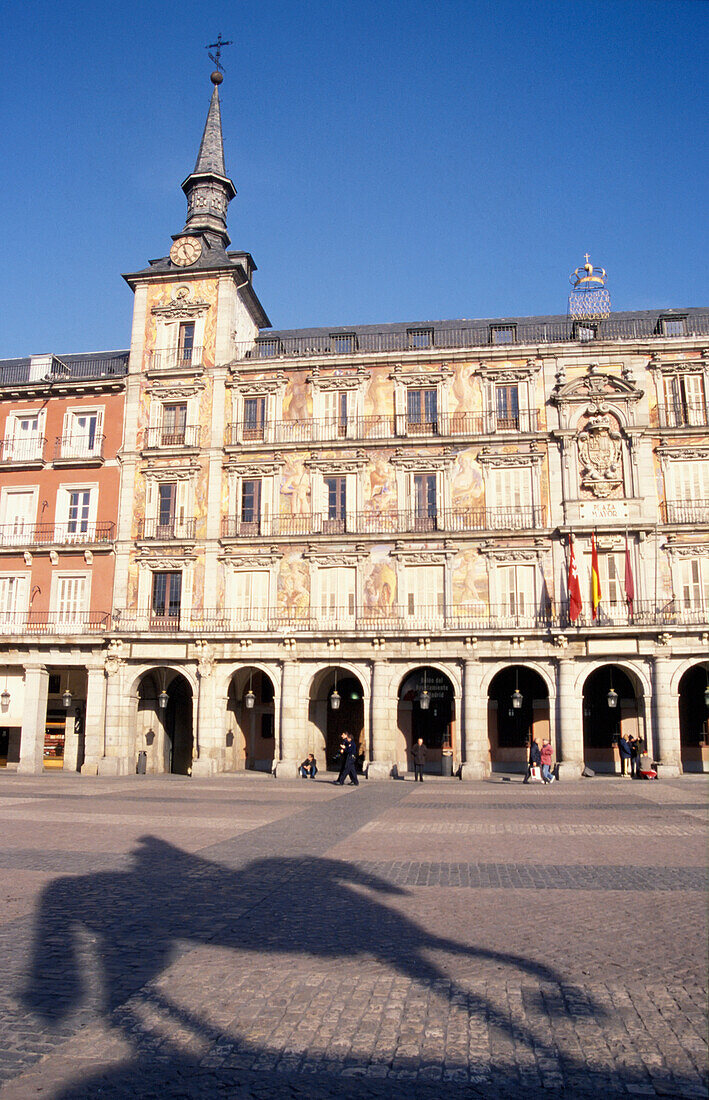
{"x": 95, "y": 717}
{"x": 666, "y": 709}
{"x": 570, "y": 727}
{"x": 474, "y": 742}
{"x": 287, "y": 765}
{"x": 34, "y": 719}
{"x": 382, "y": 725}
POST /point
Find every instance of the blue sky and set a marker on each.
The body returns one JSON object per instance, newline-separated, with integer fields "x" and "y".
{"x": 393, "y": 161}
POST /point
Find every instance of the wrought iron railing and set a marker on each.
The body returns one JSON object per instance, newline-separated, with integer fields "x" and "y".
{"x": 156, "y": 438}
{"x": 391, "y": 522}
{"x": 171, "y": 530}
{"x": 23, "y": 450}
{"x": 74, "y": 533}
{"x": 79, "y": 447}
{"x": 475, "y": 335}
{"x": 174, "y": 358}
{"x": 19, "y": 372}
{"x": 315, "y": 430}
{"x": 685, "y": 511}
{"x": 468, "y": 618}
{"x": 54, "y": 622}
{"x": 685, "y": 414}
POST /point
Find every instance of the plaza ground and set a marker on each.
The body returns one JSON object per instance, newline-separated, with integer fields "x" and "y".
{"x": 239, "y": 936}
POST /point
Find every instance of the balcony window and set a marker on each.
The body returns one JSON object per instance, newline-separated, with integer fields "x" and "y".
{"x": 82, "y": 438}
{"x": 185, "y": 344}
{"x": 335, "y": 508}
{"x": 343, "y": 343}
{"x": 420, "y": 338}
{"x": 503, "y": 334}
{"x": 174, "y": 423}
{"x": 79, "y": 512}
{"x": 424, "y": 592}
{"x": 167, "y": 596}
{"x": 422, "y": 411}
{"x": 507, "y": 407}
{"x": 334, "y": 405}
{"x": 695, "y": 583}
{"x": 254, "y": 417}
{"x": 250, "y": 505}
{"x": 70, "y": 597}
{"x": 685, "y": 404}
{"x": 23, "y": 440}
{"x": 425, "y": 502}
{"x": 13, "y": 601}
{"x": 18, "y": 508}
{"x": 516, "y": 589}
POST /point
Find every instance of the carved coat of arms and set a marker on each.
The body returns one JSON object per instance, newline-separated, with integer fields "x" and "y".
{"x": 601, "y": 468}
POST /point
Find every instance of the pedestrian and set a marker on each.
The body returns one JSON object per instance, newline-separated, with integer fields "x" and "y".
{"x": 634, "y": 743}
{"x": 309, "y": 768}
{"x": 535, "y": 759}
{"x": 419, "y": 754}
{"x": 349, "y": 767}
{"x": 546, "y": 755}
{"x": 625, "y": 756}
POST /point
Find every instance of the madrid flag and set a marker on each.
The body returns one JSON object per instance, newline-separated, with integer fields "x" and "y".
{"x": 575, "y": 604}
{"x": 595, "y": 578}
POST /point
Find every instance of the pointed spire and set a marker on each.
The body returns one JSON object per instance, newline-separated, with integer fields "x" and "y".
{"x": 208, "y": 189}
{"x": 211, "y": 152}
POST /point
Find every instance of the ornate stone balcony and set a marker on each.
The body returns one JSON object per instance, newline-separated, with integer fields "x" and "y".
{"x": 447, "y": 520}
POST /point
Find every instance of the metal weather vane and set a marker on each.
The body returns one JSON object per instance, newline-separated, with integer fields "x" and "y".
{"x": 217, "y": 46}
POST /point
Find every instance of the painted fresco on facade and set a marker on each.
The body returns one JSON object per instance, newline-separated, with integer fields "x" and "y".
{"x": 297, "y": 400}
{"x": 293, "y": 586}
{"x": 295, "y": 486}
{"x": 379, "y": 589}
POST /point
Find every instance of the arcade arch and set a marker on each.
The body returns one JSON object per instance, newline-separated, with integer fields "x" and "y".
{"x": 328, "y": 722}
{"x": 694, "y": 718}
{"x": 517, "y": 711}
{"x": 603, "y": 723}
{"x": 250, "y": 737}
{"x": 426, "y": 709}
{"x": 165, "y": 721}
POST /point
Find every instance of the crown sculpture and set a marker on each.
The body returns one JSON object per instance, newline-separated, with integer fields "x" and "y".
{"x": 590, "y": 298}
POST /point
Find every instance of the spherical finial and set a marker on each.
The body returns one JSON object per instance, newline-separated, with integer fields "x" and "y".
{"x": 216, "y": 77}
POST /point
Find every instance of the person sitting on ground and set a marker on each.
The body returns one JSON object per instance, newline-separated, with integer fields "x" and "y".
{"x": 546, "y": 755}
{"x": 309, "y": 768}
{"x": 646, "y": 769}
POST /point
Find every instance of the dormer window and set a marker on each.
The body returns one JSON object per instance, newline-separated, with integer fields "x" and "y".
{"x": 672, "y": 326}
{"x": 343, "y": 343}
{"x": 584, "y": 331}
{"x": 503, "y": 334}
{"x": 420, "y": 338}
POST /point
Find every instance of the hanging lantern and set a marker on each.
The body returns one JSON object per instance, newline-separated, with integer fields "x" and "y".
{"x": 66, "y": 699}
{"x": 517, "y": 694}
{"x": 706, "y": 696}
{"x": 424, "y": 700}
{"x": 612, "y": 696}
{"x": 5, "y": 699}
{"x": 162, "y": 699}
{"x": 249, "y": 700}
{"x": 335, "y": 699}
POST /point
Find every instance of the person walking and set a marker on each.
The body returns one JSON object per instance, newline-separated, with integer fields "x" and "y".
{"x": 545, "y": 755}
{"x": 419, "y": 754}
{"x": 535, "y": 759}
{"x": 349, "y": 767}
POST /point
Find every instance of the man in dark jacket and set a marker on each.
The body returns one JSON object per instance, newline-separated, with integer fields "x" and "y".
{"x": 349, "y": 750}
{"x": 419, "y": 754}
{"x": 535, "y": 758}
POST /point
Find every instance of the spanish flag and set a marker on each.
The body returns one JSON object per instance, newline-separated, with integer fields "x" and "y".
{"x": 595, "y": 578}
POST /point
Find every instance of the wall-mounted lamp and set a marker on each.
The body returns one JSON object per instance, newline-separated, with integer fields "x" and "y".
{"x": 516, "y": 694}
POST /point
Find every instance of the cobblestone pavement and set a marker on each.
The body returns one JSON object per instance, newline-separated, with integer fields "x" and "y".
{"x": 244, "y": 937}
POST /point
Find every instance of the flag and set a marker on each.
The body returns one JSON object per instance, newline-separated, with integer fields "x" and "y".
{"x": 629, "y": 582}
{"x": 574, "y": 587}
{"x": 595, "y": 579}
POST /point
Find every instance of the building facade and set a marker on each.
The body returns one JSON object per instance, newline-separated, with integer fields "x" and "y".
{"x": 370, "y": 528}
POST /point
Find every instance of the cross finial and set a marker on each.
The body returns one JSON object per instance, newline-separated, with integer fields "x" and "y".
{"x": 217, "y": 47}
{"x": 587, "y": 257}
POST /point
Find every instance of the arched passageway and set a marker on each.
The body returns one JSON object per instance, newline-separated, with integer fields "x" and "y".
{"x": 612, "y": 706}
{"x": 694, "y": 719}
{"x": 250, "y": 737}
{"x": 517, "y": 711}
{"x": 427, "y": 710}
{"x": 336, "y": 706}
{"x": 165, "y": 731}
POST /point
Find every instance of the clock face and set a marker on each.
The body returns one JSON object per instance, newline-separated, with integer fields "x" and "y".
{"x": 186, "y": 251}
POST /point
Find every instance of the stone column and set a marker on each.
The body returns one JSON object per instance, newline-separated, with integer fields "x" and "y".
{"x": 119, "y": 743}
{"x": 666, "y": 714}
{"x": 382, "y": 761}
{"x": 569, "y": 721}
{"x": 34, "y": 718}
{"x": 474, "y": 744}
{"x": 287, "y": 764}
{"x": 94, "y": 720}
{"x": 207, "y": 732}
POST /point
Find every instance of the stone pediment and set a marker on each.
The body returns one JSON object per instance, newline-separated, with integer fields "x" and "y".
{"x": 596, "y": 386}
